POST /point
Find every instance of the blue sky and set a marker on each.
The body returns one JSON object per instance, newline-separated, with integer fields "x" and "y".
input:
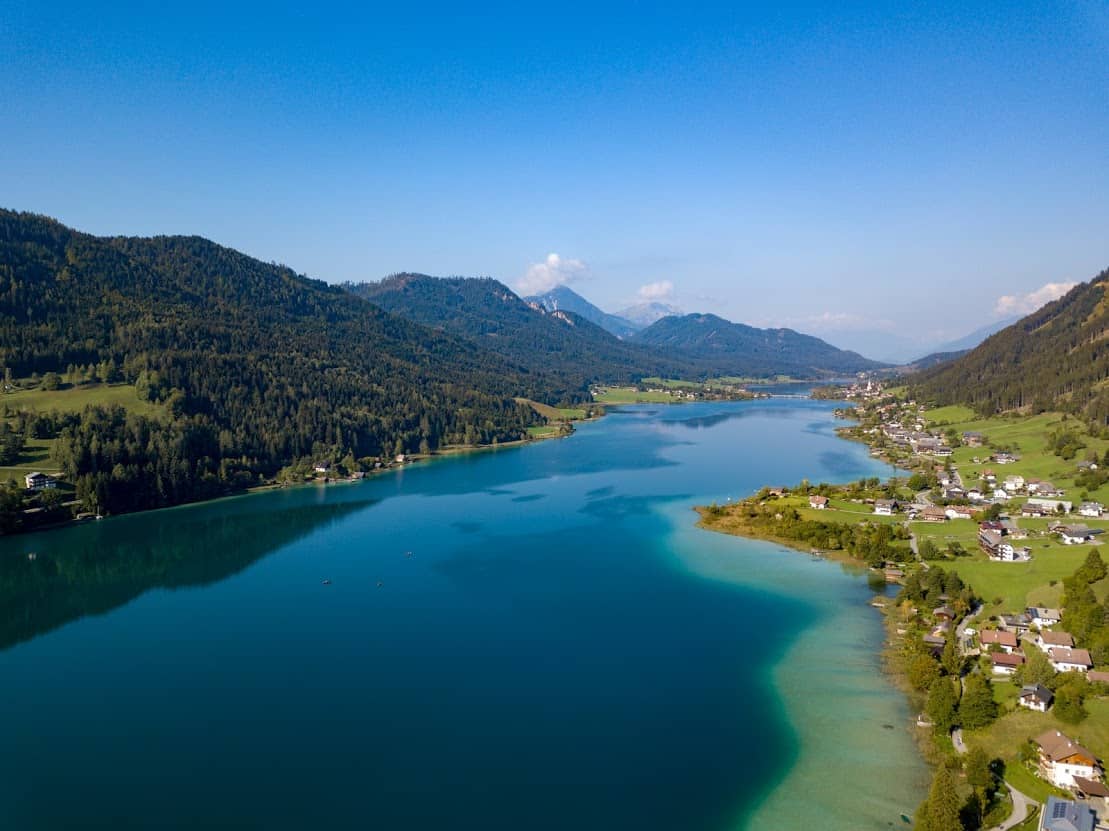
{"x": 840, "y": 168}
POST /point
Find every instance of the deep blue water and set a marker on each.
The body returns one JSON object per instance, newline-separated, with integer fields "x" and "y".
{"x": 543, "y": 659}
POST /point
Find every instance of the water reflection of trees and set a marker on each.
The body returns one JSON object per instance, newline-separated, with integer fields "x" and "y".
{"x": 91, "y": 573}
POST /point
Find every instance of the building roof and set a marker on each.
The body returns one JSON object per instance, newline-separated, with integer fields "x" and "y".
{"x": 1062, "y": 655}
{"x": 1004, "y": 659}
{"x": 1037, "y": 691}
{"x": 1056, "y": 747}
{"x": 1098, "y": 676}
{"x": 1056, "y": 638}
{"x": 1067, "y": 815}
{"x": 997, "y": 636}
{"x": 1044, "y": 613}
{"x": 1091, "y": 787}
{"x": 1075, "y": 530}
{"x": 819, "y": 500}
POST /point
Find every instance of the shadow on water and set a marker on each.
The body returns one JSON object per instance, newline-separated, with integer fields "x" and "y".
{"x": 80, "y": 575}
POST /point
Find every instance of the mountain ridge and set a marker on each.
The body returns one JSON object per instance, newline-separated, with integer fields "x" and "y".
{"x": 717, "y": 342}
{"x": 1055, "y": 358}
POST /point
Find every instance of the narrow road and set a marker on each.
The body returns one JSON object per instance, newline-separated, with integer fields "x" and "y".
{"x": 961, "y": 629}
{"x": 1022, "y": 805}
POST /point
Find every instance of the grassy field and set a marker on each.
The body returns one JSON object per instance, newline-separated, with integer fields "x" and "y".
{"x": 1006, "y": 734}
{"x": 545, "y": 431}
{"x": 1027, "y": 436}
{"x": 75, "y": 399}
{"x": 630, "y": 395}
{"x": 555, "y": 413}
{"x": 37, "y": 456}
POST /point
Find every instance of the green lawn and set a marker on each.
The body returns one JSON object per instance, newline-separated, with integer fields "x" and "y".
{"x": 1003, "y": 738}
{"x": 543, "y": 431}
{"x": 630, "y": 395}
{"x": 1017, "y": 585}
{"x": 1027, "y": 436}
{"x": 75, "y": 399}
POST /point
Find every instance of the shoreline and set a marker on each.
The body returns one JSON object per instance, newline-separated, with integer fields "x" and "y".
{"x": 892, "y": 663}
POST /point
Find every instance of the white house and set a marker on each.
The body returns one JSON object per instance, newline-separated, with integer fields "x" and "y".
{"x": 1006, "y": 552}
{"x": 1006, "y": 641}
{"x": 1061, "y": 759}
{"x": 885, "y": 507}
{"x": 1075, "y": 534}
{"x": 1069, "y": 660}
{"x": 1035, "y": 697}
{"x": 1004, "y": 663}
{"x": 1043, "y": 617}
{"x": 958, "y": 512}
{"x": 1047, "y": 640}
{"x": 1050, "y": 504}
{"x": 818, "y": 502}
{"x": 39, "y": 481}
{"x": 1091, "y": 509}
{"x": 1014, "y": 483}
{"x": 1000, "y": 493}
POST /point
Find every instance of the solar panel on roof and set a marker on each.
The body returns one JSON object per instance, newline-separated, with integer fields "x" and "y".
{"x": 1059, "y": 811}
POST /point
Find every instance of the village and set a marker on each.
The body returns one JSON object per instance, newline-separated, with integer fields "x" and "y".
{"x": 1008, "y": 510}
{"x": 1018, "y": 517}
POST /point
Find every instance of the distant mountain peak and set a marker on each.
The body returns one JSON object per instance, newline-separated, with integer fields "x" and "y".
{"x": 644, "y": 314}
{"x": 563, "y": 299}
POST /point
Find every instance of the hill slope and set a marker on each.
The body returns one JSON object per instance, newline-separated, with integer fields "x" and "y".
{"x": 489, "y": 314}
{"x": 735, "y": 349}
{"x": 564, "y": 299}
{"x": 1056, "y": 358}
{"x": 256, "y": 365}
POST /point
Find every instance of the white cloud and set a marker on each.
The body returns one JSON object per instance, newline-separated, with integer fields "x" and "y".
{"x": 1025, "y": 304}
{"x": 553, "y": 271}
{"x": 660, "y": 290}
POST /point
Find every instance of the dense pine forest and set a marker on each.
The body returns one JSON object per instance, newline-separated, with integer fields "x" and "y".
{"x": 1054, "y": 359}
{"x": 254, "y": 366}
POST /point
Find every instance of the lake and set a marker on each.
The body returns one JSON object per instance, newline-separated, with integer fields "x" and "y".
{"x": 533, "y": 637}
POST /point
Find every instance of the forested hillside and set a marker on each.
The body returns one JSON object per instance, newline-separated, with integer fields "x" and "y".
{"x": 490, "y": 315}
{"x": 1054, "y": 359}
{"x": 255, "y": 365}
{"x": 730, "y": 348}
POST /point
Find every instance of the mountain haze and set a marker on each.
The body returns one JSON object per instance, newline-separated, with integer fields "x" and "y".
{"x": 644, "y": 314}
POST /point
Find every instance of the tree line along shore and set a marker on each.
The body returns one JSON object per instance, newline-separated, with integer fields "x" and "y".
{"x": 999, "y": 631}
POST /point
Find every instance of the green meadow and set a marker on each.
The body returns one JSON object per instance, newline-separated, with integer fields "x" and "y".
{"x": 76, "y": 398}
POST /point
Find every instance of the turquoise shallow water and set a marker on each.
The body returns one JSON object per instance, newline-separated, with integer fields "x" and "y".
{"x": 562, "y": 649}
